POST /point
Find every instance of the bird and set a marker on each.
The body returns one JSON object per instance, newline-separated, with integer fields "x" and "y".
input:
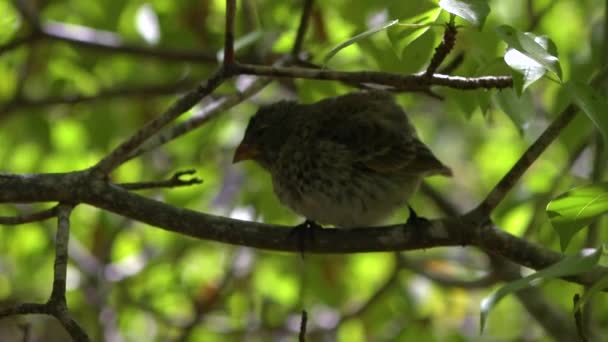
{"x": 346, "y": 161}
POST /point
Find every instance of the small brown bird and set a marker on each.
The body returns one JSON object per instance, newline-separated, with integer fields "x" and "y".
{"x": 347, "y": 161}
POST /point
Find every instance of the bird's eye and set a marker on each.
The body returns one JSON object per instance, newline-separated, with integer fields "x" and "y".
{"x": 259, "y": 130}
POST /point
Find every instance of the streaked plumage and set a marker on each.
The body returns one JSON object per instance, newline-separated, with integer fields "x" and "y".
{"x": 350, "y": 160}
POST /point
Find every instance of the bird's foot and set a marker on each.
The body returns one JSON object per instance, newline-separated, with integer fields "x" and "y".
{"x": 303, "y": 232}
{"x": 416, "y": 220}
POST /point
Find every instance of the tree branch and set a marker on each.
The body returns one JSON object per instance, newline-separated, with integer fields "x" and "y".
{"x": 121, "y": 153}
{"x": 108, "y": 41}
{"x": 126, "y": 91}
{"x": 509, "y": 180}
{"x": 206, "y": 114}
{"x": 444, "y": 48}
{"x": 400, "y": 82}
{"x": 27, "y": 218}
{"x": 229, "y": 32}
{"x": 56, "y": 305}
{"x": 61, "y": 253}
{"x": 82, "y": 187}
{"x": 302, "y": 28}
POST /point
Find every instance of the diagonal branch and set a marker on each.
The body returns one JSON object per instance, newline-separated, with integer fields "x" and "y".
{"x": 121, "y": 153}
{"x": 509, "y": 180}
{"x": 206, "y": 114}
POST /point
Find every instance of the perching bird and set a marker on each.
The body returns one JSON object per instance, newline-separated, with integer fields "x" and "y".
{"x": 347, "y": 161}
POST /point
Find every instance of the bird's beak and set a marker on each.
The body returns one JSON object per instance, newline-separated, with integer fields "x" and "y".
{"x": 244, "y": 152}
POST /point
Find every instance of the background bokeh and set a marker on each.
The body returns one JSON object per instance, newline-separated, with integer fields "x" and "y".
{"x": 64, "y": 105}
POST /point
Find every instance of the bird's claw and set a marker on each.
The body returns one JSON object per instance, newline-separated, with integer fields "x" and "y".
{"x": 416, "y": 220}
{"x": 304, "y": 231}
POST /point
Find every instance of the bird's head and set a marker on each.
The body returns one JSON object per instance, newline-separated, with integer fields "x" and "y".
{"x": 266, "y": 133}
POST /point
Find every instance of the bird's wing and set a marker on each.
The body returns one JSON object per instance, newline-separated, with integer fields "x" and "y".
{"x": 377, "y": 134}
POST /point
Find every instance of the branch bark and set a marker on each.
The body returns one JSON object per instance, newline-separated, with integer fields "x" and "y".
{"x": 85, "y": 187}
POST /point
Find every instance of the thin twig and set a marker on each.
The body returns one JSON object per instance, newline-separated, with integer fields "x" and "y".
{"x": 229, "y": 32}
{"x": 578, "y": 319}
{"x": 121, "y": 153}
{"x": 175, "y": 181}
{"x": 206, "y": 114}
{"x": 56, "y": 305}
{"x": 500, "y": 191}
{"x": 303, "y": 323}
{"x": 118, "y": 92}
{"x": 18, "y": 41}
{"x": 302, "y": 28}
{"x": 109, "y": 41}
{"x": 444, "y": 48}
{"x": 61, "y": 253}
{"x": 402, "y": 82}
{"x": 27, "y": 218}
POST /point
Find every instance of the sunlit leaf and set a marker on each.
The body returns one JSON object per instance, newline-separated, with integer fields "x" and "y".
{"x": 527, "y": 44}
{"x": 592, "y": 103}
{"x": 570, "y": 265}
{"x": 146, "y": 22}
{"x": 357, "y": 38}
{"x": 410, "y": 29}
{"x": 473, "y": 11}
{"x": 529, "y": 69}
{"x": 577, "y": 208}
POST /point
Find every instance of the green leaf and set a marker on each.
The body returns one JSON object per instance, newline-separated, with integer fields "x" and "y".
{"x": 528, "y": 70}
{"x": 473, "y": 11}
{"x": 518, "y": 108}
{"x": 402, "y": 35}
{"x": 527, "y": 44}
{"x": 570, "y": 265}
{"x": 577, "y": 208}
{"x": 355, "y": 39}
{"x": 593, "y": 104}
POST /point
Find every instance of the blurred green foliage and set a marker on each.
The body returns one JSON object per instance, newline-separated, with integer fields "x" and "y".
{"x": 145, "y": 284}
